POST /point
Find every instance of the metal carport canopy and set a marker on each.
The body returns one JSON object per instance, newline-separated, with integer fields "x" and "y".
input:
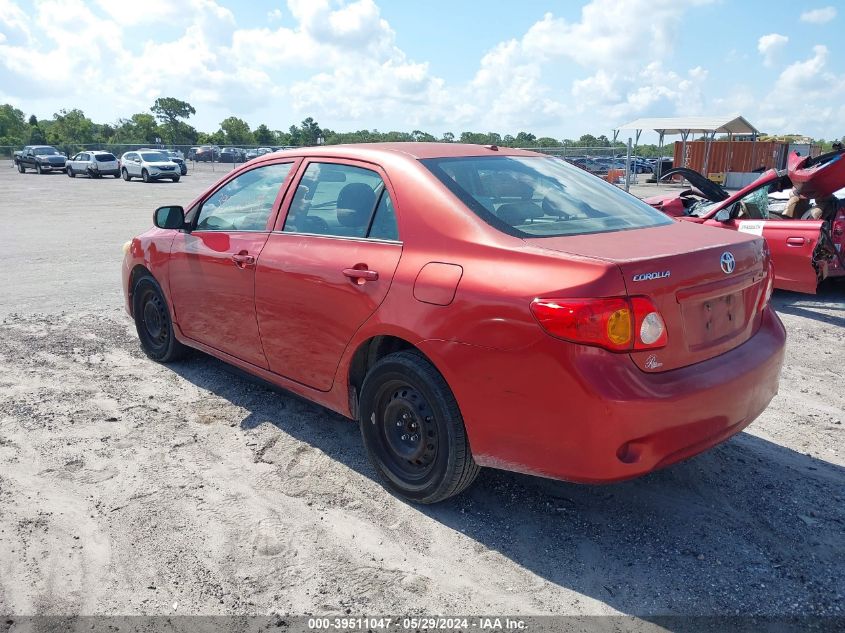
{"x": 678, "y": 125}
{"x": 709, "y": 125}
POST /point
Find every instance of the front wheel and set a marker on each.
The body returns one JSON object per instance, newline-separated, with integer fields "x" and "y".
{"x": 145, "y": 175}
{"x": 125, "y": 175}
{"x": 117, "y": 175}
{"x": 413, "y": 430}
{"x": 70, "y": 172}
{"x": 152, "y": 321}
{"x": 21, "y": 168}
{"x": 38, "y": 168}
{"x": 175, "y": 179}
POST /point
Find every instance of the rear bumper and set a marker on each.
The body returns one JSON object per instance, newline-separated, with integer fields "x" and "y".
{"x": 582, "y": 414}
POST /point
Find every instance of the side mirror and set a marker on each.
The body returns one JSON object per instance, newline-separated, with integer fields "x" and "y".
{"x": 723, "y": 216}
{"x": 169, "y": 217}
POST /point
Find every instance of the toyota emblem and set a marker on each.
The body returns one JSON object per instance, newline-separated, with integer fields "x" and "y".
{"x": 727, "y": 262}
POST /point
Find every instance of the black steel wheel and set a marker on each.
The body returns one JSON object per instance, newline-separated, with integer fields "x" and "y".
{"x": 152, "y": 321}
{"x": 413, "y": 430}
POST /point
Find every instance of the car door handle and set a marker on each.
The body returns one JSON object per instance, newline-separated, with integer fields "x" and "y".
{"x": 360, "y": 275}
{"x": 795, "y": 241}
{"x": 243, "y": 260}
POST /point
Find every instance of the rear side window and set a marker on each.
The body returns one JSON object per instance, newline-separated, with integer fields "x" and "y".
{"x": 104, "y": 158}
{"x": 342, "y": 201}
{"x": 245, "y": 202}
{"x": 541, "y": 196}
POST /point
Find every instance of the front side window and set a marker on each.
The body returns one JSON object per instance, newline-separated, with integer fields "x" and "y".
{"x": 541, "y": 196}
{"x": 245, "y": 202}
{"x": 342, "y": 201}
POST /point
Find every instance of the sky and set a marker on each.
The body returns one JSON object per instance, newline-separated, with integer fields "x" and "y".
{"x": 559, "y": 69}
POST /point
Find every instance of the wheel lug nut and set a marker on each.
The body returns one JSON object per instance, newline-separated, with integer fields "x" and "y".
{"x": 398, "y": 422}
{"x": 404, "y": 436}
{"x": 415, "y": 437}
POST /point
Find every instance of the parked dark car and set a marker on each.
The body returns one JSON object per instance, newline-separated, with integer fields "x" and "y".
{"x": 175, "y": 157}
{"x": 207, "y": 154}
{"x": 232, "y": 155}
{"x": 41, "y": 158}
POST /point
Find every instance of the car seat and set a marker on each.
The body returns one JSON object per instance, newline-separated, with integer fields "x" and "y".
{"x": 354, "y": 207}
{"x": 514, "y": 213}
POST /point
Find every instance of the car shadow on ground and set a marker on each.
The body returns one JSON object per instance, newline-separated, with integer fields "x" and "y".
{"x": 750, "y": 527}
{"x": 829, "y": 298}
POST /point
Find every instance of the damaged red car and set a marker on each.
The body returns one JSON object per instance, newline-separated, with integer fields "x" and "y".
{"x": 468, "y": 306}
{"x": 795, "y": 210}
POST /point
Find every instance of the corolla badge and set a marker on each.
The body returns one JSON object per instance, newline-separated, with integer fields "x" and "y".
{"x": 649, "y": 276}
{"x": 727, "y": 262}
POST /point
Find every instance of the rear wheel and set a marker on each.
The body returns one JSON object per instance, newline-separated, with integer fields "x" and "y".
{"x": 125, "y": 175}
{"x": 145, "y": 175}
{"x": 413, "y": 430}
{"x": 152, "y": 321}
{"x": 116, "y": 175}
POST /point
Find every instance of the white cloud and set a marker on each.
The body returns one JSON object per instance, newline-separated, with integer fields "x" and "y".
{"x": 819, "y": 16}
{"x": 807, "y": 97}
{"x": 770, "y": 46}
{"x": 274, "y": 15}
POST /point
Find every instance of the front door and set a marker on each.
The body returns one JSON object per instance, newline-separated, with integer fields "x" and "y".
{"x": 791, "y": 242}
{"x": 327, "y": 270}
{"x": 212, "y": 267}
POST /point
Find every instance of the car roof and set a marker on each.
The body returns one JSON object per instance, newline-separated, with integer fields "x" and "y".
{"x": 410, "y": 149}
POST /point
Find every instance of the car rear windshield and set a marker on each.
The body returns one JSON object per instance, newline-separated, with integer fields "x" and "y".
{"x": 541, "y": 196}
{"x": 154, "y": 157}
{"x": 104, "y": 158}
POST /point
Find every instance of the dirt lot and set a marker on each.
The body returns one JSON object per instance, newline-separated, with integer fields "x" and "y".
{"x": 128, "y": 487}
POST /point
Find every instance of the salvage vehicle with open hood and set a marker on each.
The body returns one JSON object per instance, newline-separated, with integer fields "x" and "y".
{"x": 805, "y": 250}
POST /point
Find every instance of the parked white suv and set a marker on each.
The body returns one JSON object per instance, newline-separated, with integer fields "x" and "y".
{"x": 148, "y": 165}
{"x": 93, "y": 163}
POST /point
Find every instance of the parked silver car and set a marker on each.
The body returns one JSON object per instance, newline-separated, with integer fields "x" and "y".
{"x": 93, "y": 163}
{"x": 148, "y": 165}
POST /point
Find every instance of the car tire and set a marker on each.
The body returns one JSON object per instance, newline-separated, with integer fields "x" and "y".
{"x": 38, "y": 168}
{"x": 175, "y": 179}
{"x": 413, "y": 430}
{"x": 21, "y": 168}
{"x": 93, "y": 174}
{"x": 153, "y": 323}
{"x": 70, "y": 172}
{"x": 125, "y": 175}
{"x": 145, "y": 175}
{"x": 116, "y": 175}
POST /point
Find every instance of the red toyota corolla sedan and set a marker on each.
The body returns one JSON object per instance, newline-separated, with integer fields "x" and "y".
{"x": 469, "y": 306}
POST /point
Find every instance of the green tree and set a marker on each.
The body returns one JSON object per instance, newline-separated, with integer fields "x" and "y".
{"x": 237, "y": 131}
{"x": 423, "y": 137}
{"x": 547, "y": 141}
{"x": 307, "y": 133}
{"x": 169, "y": 111}
{"x": 264, "y": 135}
{"x": 448, "y": 137}
{"x": 71, "y": 126}
{"x": 525, "y": 139}
{"x": 13, "y": 128}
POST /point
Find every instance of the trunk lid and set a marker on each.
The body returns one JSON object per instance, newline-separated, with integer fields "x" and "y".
{"x": 708, "y": 309}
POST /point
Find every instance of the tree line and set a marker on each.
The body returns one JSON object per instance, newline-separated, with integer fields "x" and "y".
{"x": 166, "y": 123}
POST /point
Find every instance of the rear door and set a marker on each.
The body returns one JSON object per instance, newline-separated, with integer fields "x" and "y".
{"x": 326, "y": 268}
{"x": 212, "y": 267}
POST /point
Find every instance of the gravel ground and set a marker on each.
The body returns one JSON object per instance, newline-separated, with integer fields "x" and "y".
{"x": 128, "y": 487}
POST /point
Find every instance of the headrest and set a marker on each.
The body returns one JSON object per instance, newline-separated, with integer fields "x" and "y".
{"x": 515, "y": 213}
{"x": 354, "y": 204}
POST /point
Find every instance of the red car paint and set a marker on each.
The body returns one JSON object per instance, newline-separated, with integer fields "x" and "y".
{"x": 817, "y": 177}
{"x": 793, "y": 243}
{"x": 302, "y": 307}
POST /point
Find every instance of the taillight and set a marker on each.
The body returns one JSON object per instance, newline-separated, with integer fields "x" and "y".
{"x": 617, "y": 324}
